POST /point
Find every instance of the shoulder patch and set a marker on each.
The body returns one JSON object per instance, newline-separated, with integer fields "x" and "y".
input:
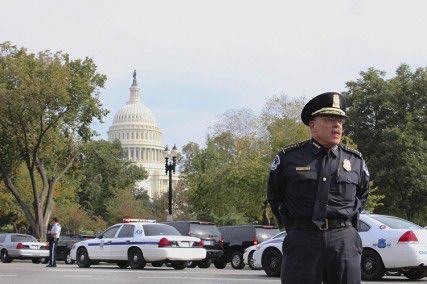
{"x": 354, "y": 151}
{"x": 294, "y": 146}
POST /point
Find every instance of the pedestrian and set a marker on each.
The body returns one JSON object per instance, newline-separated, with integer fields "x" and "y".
{"x": 52, "y": 237}
{"x": 316, "y": 189}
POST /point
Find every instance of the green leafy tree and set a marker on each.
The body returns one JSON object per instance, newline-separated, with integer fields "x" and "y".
{"x": 47, "y": 104}
{"x": 388, "y": 121}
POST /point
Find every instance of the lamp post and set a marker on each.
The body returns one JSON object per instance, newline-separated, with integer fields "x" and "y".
{"x": 170, "y": 164}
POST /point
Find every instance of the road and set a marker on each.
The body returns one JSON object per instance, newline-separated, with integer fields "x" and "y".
{"x": 23, "y": 272}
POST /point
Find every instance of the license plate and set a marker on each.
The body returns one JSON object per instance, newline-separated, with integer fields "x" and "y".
{"x": 34, "y": 247}
{"x": 208, "y": 243}
{"x": 184, "y": 244}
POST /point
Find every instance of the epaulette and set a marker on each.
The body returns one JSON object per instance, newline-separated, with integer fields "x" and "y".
{"x": 354, "y": 151}
{"x": 294, "y": 146}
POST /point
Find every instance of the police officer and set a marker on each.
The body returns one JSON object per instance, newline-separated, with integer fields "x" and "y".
{"x": 53, "y": 236}
{"x": 316, "y": 189}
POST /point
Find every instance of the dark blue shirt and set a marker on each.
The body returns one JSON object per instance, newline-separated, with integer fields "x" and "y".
{"x": 295, "y": 179}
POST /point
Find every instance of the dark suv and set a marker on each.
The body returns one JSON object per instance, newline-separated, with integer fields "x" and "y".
{"x": 206, "y": 231}
{"x": 238, "y": 238}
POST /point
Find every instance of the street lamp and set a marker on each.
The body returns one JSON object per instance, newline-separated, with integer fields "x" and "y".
{"x": 170, "y": 163}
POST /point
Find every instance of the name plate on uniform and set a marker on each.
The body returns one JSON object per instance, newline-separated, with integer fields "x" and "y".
{"x": 306, "y": 168}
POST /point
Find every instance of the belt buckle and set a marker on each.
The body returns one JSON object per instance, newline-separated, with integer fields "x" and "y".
{"x": 324, "y": 226}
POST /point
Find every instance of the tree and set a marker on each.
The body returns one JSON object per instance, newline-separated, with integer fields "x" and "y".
{"x": 47, "y": 104}
{"x": 105, "y": 173}
{"x": 388, "y": 121}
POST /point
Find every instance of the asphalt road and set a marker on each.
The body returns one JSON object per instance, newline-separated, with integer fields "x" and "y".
{"x": 23, "y": 272}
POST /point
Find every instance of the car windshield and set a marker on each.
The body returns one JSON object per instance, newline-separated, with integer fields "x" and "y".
{"x": 204, "y": 230}
{"x": 22, "y": 238}
{"x": 159, "y": 230}
{"x": 395, "y": 223}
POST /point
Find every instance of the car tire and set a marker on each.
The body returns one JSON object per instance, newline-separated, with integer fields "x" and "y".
{"x": 136, "y": 259}
{"x": 192, "y": 264}
{"x": 251, "y": 261}
{"x": 179, "y": 265}
{"x": 44, "y": 260}
{"x": 35, "y": 260}
{"x": 272, "y": 262}
{"x": 122, "y": 264}
{"x": 204, "y": 263}
{"x": 4, "y": 256}
{"x": 157, "y": 264}
{"x": 220, "y": 264}
{"x": 237, "y": 260}
{"x": 82, "y": 258}
{"x": 414, "y": 274}
{"x": 372, "y": 266}
{"x": 68, "y": 259}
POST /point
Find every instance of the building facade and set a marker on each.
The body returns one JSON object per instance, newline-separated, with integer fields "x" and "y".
{"x": 135, "y": 126}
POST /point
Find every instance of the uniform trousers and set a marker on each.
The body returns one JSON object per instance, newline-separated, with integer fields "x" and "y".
{"x": 311, "y": 256}
{"x": 52, "y": 251}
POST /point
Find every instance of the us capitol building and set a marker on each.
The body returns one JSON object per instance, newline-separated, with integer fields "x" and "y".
{"x": 135, "y": 126}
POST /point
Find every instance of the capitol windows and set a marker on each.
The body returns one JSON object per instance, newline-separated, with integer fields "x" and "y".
{"x": 132, "y": 135}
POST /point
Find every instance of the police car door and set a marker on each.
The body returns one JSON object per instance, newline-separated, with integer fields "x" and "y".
{"x": 103, "y": 250}
{"x": 120, "y": 245}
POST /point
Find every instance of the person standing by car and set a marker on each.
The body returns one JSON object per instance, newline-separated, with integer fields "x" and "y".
{"x": 317, "y": 189}
{"x": 52, "y": 237}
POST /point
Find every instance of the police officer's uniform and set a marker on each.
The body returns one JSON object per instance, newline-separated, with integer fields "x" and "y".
{"x": 318, "y": 193}
{"x": 53, "y": 238}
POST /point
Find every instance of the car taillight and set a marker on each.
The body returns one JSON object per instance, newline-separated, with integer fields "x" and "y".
{"x": 164, "y": 243}
{"x": 199, "y": 244}
{"x": 408, "y": 237}
{"x": 46, "y": 247}
{"x": 254, "y": 241}
{"x": 19, "y": 246}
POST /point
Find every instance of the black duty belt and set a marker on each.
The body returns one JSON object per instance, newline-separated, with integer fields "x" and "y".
{"x": 328, "y": 224}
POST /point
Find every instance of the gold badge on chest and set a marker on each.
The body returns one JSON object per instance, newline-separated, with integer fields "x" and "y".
{"x": 346, "y": 165}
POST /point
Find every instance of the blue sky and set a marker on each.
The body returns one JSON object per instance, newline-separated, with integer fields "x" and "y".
{"x": 197, "y": 59}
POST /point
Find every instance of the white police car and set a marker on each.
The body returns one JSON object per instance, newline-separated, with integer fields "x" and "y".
{"x": 390, "y": 245}
{"x": 136, "y": 242}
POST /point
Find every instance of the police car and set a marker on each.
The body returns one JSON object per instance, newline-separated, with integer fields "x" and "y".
{"x": 390, "y": 245}
{"x": 136, "y": 242}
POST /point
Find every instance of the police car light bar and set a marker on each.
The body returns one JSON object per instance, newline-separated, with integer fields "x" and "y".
{"x": 131, "y": 220}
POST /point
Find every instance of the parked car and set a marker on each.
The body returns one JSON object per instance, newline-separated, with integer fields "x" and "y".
{"x": 249, "y": 255}
{"x": 134, "y": 244}
{"x": 238, "y": 238}
{"x": 210, "y": 235}
{"x": 391, "y": 246}
{"x": 21, "y": 246}
{"x": 65, "y": 243}
{"x": 268, "y": 255}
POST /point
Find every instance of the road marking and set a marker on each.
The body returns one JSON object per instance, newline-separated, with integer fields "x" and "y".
{"x": 78, "y": 276}
{"x": 207, "y": 278}
{"x": 10, "y": 275}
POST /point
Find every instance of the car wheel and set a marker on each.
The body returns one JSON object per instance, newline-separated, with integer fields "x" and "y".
{"x": 44, "y": 260}
{"x": 4, "y": 256}
{"x": 237, "y": 260}
{"x": 251, "y": 262}
{"x": 220, "y": 264}
{"x": 35, "y": 260}
{"x": 82, "y": 258}
{"x": 192, "y": 264}
{"x": 272, "y": 262}
{"x": 157, "y": 264}
{"x": 68, "y": 259}
{"x": 179, "y": 265}
{"x": 372, "y": 266}
{"x": 136, "y": 259}
{"x": 122, "y": 264}
{"x": 414, "y": 274}
{"x": 204, "y": 263}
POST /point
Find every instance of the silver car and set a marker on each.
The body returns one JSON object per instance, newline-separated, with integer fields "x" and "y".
{"x": 21, "y": 246}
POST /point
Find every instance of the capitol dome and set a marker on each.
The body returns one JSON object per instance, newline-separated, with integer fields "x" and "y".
{"x": 135, "y": 126}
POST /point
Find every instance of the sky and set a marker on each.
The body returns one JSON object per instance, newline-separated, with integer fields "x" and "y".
{"x": 197, "y": 59}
